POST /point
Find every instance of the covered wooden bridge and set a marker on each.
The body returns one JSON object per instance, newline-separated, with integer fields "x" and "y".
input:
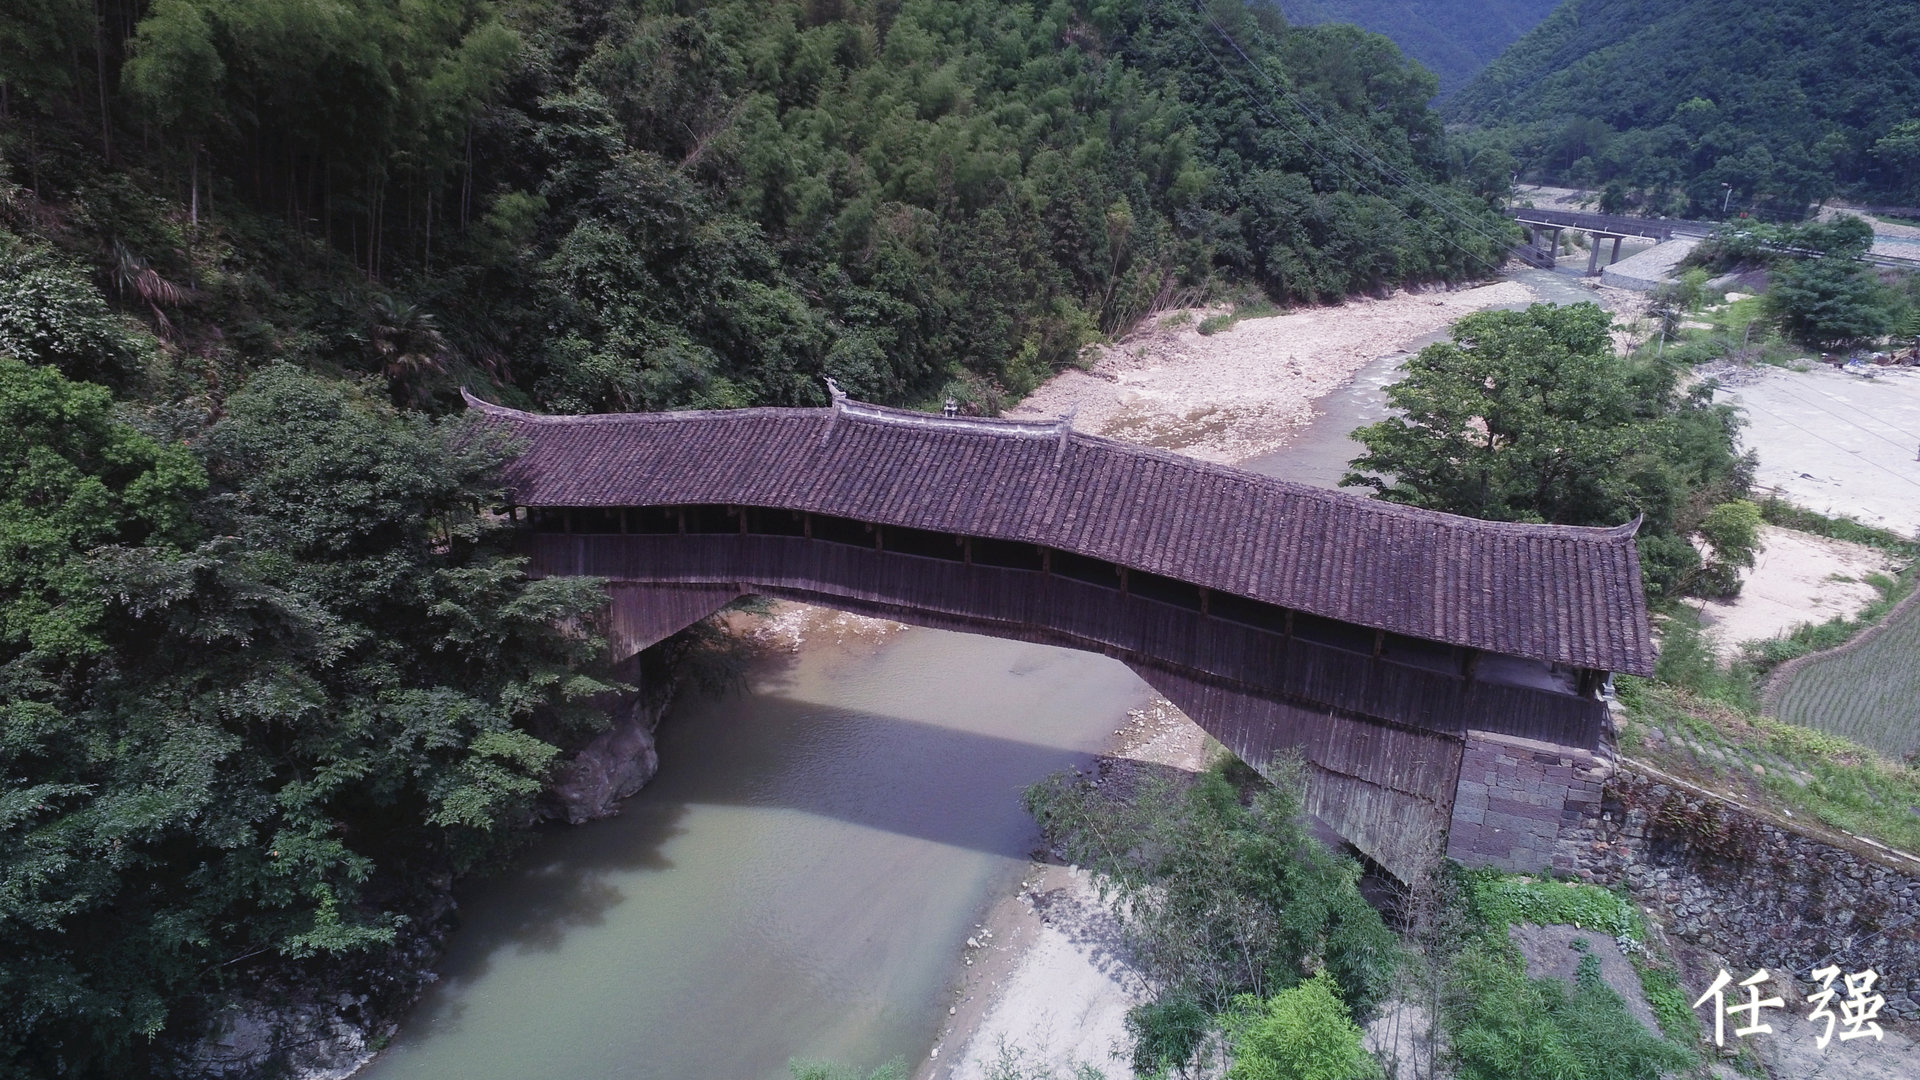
{"x": 1374, "y": 639}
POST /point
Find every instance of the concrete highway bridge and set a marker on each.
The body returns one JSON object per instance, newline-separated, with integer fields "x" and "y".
{"x": 1545, "y": 226}
{"x": 1440, "y": 676}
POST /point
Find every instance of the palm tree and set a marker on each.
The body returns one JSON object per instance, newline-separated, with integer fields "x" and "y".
{"x": 408, "y": 342}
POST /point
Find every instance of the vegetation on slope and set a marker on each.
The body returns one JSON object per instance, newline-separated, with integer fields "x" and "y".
{"x": 1454, "y": 40}
{"x": 652, "y": 205}
{"x": 1819, "y": 292}
{"x": 1687, "y": 724}
{"x": 1503, "y": 1025}
{"x": 1224, "y": 896}
{"x": 253, "y": 692}
{"x": 1676, "y": 103}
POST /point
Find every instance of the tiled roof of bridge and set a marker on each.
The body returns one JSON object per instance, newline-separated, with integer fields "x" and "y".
{"x": 1555, "y": 593}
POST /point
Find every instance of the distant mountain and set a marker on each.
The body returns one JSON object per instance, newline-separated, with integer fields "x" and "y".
{"x": 1453, "y": 38}
{"x": 1783, "y": 102}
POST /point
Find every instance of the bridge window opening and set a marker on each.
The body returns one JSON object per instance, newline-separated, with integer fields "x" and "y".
{"x": 1006, "y": 554}
{"x": 1166, "y": 590}
{"x": 1332, "y": 633}
{"x": 923, "y": 543}
{"x": 1530, "y": 673}
{"x": 1081, "y": 568}
{"x": 1420, "y": 653}
{"x": 762, "y": 521}
{"x": 712, "y": 519}
{"x": 839, "y": 530}
{"x": 652, "y": 520}
{"x": 592, "y": 519}
{"x": 1247, "y": 612}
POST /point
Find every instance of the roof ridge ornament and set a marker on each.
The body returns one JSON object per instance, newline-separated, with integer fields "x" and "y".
{"x": 1058, "y": 428}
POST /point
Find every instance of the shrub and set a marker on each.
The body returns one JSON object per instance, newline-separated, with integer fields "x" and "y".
{"x": 1506, "y": 1026}
{"x": 1301, "y": 1033}
{"x": 52, "y": 315}
{"x": 1223, "y": 894}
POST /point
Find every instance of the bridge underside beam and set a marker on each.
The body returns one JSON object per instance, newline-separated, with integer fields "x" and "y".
{"x": 1383, "y": 739}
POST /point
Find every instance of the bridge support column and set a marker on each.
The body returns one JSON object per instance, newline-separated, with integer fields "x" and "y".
{"x": 1593, "y": 254}
{"x": 1615, "y": 257}
{"x": 1386, "y": 789}
{"x": 1523, "y": 805}
{"x": 640, "y": 615}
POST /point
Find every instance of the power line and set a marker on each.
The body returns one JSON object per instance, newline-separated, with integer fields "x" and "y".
{"x": 1915, "y": 439}
{"x": 1864, "y": 461}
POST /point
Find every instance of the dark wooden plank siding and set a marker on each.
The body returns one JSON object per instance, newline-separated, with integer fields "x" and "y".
{"x": 1061, "y": 610}
{"x": 1551, "y": 593}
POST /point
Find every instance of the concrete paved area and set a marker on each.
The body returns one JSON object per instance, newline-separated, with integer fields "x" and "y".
{"x": 1651, "y": 268}
{"x": 1837, "y": 443}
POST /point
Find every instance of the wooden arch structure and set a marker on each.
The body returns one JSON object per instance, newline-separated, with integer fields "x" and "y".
{"x": 1373, "y": 639}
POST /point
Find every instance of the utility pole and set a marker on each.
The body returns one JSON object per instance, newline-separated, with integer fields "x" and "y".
{"x": 1725, "y": 199}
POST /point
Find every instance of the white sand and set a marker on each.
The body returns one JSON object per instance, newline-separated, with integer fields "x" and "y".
{"x": 1065, "y": 1002}
{"x": 1244, "y": 391}
{"x": 1791, "y": 584}
{"x": 1837, "y": 443}
{"x": 1051, "y": 984}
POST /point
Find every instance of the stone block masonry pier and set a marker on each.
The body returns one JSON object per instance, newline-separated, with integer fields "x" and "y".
{"x": 1519, "y": 797}
{"x": 1384, "y": 645}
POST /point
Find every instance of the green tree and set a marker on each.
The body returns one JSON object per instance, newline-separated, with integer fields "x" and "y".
{"x": 1223, "y": 895}
{"x": 38, "y": 39}
{"x": 1301, "y": 1033}
{"x": 1529, "y": 416}
{"x": 1829, "y": 302}
{"x": 323, "y": 685}
{"x": 1899, "y": 151}
{"x": 1525, "y": 416}
{"x": 1733, "y": 531}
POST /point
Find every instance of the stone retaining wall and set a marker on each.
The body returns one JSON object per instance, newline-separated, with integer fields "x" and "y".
{"x": 1750, "y": 890}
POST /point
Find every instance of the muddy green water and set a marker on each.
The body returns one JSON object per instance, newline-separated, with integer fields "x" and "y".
{"x": 799, "y": 880}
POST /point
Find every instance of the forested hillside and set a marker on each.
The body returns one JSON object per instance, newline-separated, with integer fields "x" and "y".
{"x": 269, "y": 674}
{"x": 1454, "y": 39}
{"x": 1785, "y": 102}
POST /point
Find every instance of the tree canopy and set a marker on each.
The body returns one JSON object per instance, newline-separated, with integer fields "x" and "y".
{"x": 651, "y": 205}
{"x": 1529, "y": 416}
{"x": 248, "y": 687}
{"x": 1781, "y": 102}
{"x": 1452, "y": 40}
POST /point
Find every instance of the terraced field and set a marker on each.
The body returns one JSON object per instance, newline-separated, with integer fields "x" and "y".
{"x": 1867, "y": 690}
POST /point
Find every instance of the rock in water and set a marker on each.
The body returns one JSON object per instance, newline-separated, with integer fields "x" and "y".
{"x": 617, "y": 763}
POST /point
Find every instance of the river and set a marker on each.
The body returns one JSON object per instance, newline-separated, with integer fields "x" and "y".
{"x": 800, "y": 879}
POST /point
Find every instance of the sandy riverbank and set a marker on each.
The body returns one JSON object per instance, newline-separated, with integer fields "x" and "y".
{"x": 1047, "y": 982}
{"x": 1244, "y": 391}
